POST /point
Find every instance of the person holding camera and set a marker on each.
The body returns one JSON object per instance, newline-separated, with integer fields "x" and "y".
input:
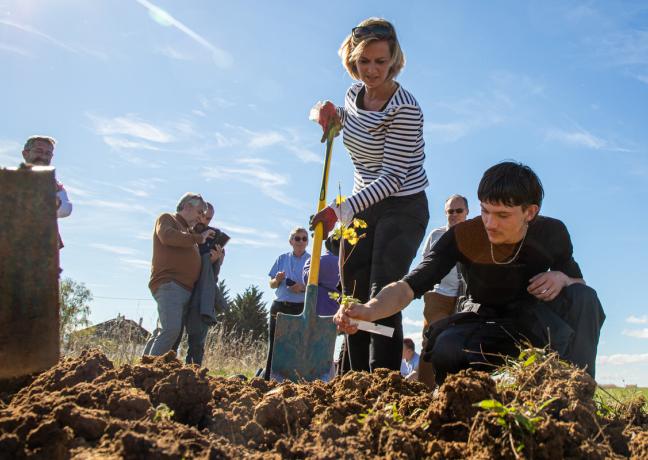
{"x": 175, "y": 268}
{"x": 285, "y": 278}
{"x": 206, "y": 299}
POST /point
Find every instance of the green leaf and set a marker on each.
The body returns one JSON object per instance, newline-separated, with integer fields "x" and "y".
{"x": 530, "y": 360}
{"x": 490, "y": 404}
{"x": 546, "y": 403}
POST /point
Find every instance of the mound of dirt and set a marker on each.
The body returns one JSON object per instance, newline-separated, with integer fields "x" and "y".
{"x": 86, "y": 408}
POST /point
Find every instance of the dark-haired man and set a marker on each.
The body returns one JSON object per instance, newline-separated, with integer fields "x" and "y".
{"x": 522, "y": 283}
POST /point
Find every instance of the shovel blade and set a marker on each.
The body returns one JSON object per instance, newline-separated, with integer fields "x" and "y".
{"x": 303, "y": 344}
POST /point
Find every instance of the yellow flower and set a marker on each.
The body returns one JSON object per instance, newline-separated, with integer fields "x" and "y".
{"x": 337, "y": 233}
{"x": 339, "y": 200}
{"x": 349, "y": 233}
{"x": 359, "y": 223}
{"x": 334, "y": 295}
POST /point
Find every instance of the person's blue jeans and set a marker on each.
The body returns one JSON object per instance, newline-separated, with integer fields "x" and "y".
{"x": 172, "y": 300}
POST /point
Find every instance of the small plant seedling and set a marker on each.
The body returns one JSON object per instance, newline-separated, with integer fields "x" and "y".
{"x": 163, "y": 413}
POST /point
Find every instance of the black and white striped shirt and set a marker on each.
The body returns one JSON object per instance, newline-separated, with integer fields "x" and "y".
{"x": 386, "y": 148}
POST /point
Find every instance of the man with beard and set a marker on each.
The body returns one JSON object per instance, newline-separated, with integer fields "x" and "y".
{"x": 38, "y": 151}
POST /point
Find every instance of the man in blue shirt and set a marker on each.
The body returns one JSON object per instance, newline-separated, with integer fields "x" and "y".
{"x": 410, "y": 358}
{"x": 285, "y": 278}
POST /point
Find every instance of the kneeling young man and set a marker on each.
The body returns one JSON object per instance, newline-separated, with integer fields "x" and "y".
{"x": 523, "y": 284}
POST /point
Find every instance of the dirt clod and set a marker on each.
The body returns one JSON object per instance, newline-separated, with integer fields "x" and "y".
{"x": 86, "y": 408}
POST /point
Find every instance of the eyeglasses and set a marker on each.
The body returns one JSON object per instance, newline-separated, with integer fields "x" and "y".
{"x": 380, "y": 31}
{"x": 456, "y": 210}
{"x": 300, "y": 238}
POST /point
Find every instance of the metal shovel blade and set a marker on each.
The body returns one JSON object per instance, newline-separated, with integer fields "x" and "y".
{"x": 304, "y": 344}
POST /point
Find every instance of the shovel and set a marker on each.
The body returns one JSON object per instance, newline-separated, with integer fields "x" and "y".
{"x": 304, "y": 344}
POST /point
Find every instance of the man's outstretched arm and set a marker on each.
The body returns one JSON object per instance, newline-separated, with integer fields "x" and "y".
{"x": 389, "y": 301}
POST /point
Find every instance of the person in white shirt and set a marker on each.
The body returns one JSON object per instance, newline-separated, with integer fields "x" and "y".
{"x": 410, "y": 359}
{"x": 38, "y": 151}
{"x": 441, "y": 301}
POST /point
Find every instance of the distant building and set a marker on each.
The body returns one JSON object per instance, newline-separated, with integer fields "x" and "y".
{"x": 117, "y": 329}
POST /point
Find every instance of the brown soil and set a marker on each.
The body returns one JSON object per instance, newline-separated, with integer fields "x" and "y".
{"x": 85, "y": 408}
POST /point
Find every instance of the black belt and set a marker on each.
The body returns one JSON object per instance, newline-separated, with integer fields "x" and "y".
{"x": 282, "y": 302}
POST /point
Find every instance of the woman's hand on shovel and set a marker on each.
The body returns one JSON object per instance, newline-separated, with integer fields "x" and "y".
{"x": 325, "y": 114}
{"x": 327, "y": 217}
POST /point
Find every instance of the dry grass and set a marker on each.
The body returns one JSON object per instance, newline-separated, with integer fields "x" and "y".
{"x": 226, "y": 353}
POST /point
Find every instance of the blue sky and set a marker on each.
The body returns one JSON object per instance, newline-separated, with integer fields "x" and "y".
{"x": 149, "y": 100}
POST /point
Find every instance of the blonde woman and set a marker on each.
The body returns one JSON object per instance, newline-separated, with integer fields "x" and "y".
{"x": 382, "y": 126}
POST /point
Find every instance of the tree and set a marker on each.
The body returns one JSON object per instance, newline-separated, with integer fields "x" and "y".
{"x": 225, "y": 293}
{"x": 75, "y": 301}
{"x": 248, "y": 314}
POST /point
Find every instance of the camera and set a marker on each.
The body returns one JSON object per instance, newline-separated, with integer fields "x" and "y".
{"x": 219, "y": 237}
{"x": 290, "y": 282}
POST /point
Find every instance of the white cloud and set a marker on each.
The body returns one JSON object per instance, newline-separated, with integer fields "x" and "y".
{"x": 15, "y": 50}
{"x": 637, "y": 319}
{"x": 621, "y": 359}
{"x": 162, "y": 17}
{"x": 412, "y": 322}
{"x": 223, "y": 141}
{"x": 130, "y": 125}
{"x": 447, "y": 132}
{"x": 114, "y": 249}
{"x": 234, "y": 228}
{"x": 137, "y": 263}
{"x": 637, "y": 333}
{"x": 30, "y": 30}
{"x": 118, "y": 144}
{"x": 115, "y": 205}
{"x": 76, "y": 191}
{"x": 265, "y": 139}
{"x": 582, "y": 138}
{"x": 135, "y": 192}
{"x": 254, "y": 172}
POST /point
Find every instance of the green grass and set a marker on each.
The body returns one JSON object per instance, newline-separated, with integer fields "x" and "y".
{"x": 612, "y": 396}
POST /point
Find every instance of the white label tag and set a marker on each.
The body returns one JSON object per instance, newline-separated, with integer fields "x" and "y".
{"x": 373, "y": 327}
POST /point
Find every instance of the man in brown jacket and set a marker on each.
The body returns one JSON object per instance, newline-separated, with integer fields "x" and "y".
{"x": 175, "y": 269}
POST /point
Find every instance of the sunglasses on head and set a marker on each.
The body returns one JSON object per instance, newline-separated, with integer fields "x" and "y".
{"x": 456, "y": 210}
{"x": 379, "y": 31}
{"x": 300, "y": 238}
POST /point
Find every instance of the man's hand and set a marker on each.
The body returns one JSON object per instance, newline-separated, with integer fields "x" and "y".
{"x": 297, "y": 288}
{"x": 546, "y": 286}
{"x": 276, "y": 281}
{"x": 216, "y": 254}
{"x": 343, "y": 317}
{"x": 206, "y": 234}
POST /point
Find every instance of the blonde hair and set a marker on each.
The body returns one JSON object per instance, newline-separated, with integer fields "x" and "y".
{"x": 351, "y": 49}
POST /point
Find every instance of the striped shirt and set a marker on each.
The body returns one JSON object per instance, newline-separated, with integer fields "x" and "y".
{"x": 386, "y": 148}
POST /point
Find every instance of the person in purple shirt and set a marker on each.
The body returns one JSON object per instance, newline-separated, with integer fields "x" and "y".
{"x": 329, "y": 277}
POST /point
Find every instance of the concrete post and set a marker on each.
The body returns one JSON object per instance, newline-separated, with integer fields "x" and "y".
{"x": 29, "y": 271}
